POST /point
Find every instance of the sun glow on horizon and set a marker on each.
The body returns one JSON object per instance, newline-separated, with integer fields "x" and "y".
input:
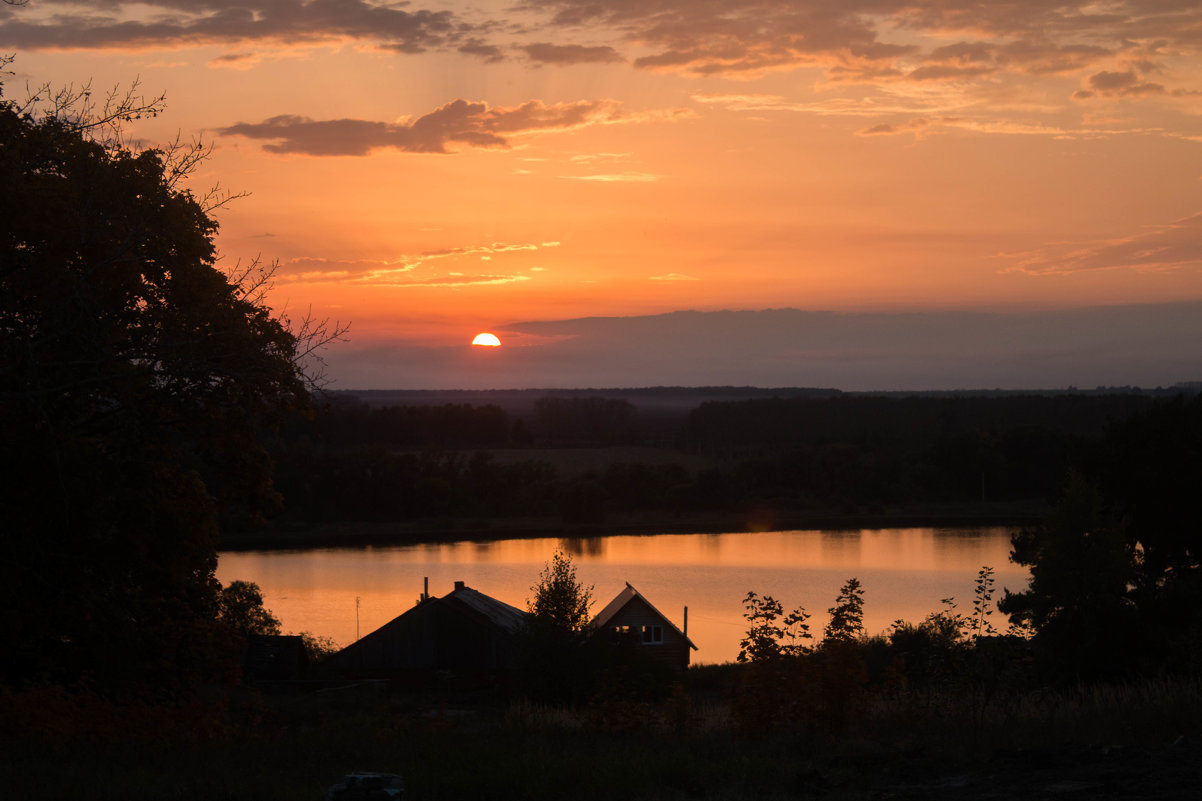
{"x": 487, "y": 340}
{"x": 501, "y": 165}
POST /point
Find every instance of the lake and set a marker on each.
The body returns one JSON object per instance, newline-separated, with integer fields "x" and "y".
{"x": 337, "y": 592}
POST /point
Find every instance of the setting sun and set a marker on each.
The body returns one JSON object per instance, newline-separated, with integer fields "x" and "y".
{"x": 683, "y": 193}
{"x": 487, "y": 340}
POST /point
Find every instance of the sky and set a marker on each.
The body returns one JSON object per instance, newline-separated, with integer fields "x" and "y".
{"x": 865, "y": 194}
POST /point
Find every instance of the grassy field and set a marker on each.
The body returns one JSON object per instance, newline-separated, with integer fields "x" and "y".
{"x": 574, "y": 462}
{"x": 1141, "y": 738}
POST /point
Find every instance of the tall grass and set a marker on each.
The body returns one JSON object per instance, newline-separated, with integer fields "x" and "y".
{"x": 293, "y": 748}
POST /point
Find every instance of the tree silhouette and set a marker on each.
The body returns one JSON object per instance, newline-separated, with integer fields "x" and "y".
{"x": 240, "y": 607}
{"x": 555, "y": 665}
{"x": 561, "y": 602}
{"x": 1077, "y": 600}
{"x": 847, "y": 615}
{"x": 771, "y": 634}
{"x": 135, "y": 377}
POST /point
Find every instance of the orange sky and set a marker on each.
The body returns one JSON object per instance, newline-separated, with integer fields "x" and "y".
{"x": 429, "y": 170}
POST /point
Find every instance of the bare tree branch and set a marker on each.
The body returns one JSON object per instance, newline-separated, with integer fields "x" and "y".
{"x": 254, "y": 280}
{"x": 101, "y": 120}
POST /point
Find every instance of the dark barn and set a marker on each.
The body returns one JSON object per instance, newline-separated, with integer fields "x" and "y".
{"x": 463, "y": 631}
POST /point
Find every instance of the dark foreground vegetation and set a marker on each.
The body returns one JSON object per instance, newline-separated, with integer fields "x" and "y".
{"x": 1121, "y": 742}
{"x": 143, "y": 393}
{"x": 941, "y": 708}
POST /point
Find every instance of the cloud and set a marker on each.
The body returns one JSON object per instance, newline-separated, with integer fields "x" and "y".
{"x": 617, "y": 177}
{"x": 966, "y": 60}
{"x": 1162, "y": 247}
{"x": 128, "y": 24}
{"x": 237, "y": 61}
{"x": 927, "y": 112}
{"x": 1118, "y": 84}
{"x": 462, "y": 122}
{"x": 921, "y": 127}
{"x": 747, "y": 39}
{"x": 547, "y": 53}
{"x": 409, "y": 270}
{"x": 386, "y": 274}
{"x": 672, "y": 277}
{"x": 915, "y": 126}
{"x": 476, "y": 47}
{"x": 926, "y": 99}
{"x": 395, "y": 278}
{"x": 454, "y": 280}
{"x": 599, "y": 156}
{"x": 876, "y": 41}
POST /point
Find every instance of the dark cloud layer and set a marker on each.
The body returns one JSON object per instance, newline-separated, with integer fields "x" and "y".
{"x": 458, "y": 122}
{"x": 1154, "y": 345}
{"x": 853, "y": 40}
{"x": 196, "y": 22}
{"x": 547, "y": 53}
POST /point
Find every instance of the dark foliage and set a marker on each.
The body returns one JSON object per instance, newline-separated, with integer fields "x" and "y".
{"x": 133, "y": 378}
{"x": 847, "y": 615}
{"x": 1077, "y": 601}
{"x": 557, "y": 663}
{"x": 1151, "y": 477}
{"x": 860, "y": 452}
{"x": 775, "y": 457}
{"x": 592, "y": 420}
{"x": 240, "y": 608}
{"x": 786, "y": 685}
{"x": 1116, "y": 587}
{"x": 561, "y": 601}
{"x": 346, "y": 424}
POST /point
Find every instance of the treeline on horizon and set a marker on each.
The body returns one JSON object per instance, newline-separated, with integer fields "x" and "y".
{"x": 818, "y": 453}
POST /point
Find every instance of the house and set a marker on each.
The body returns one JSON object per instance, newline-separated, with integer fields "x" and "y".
{"x": 630, "y": 618}
{"x": 465, "y": 631}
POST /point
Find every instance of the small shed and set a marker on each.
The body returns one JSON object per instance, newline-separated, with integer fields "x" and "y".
{"x": 274, "y": 657}
{"x": 630, "y": 618}
{"x": 464, "y": 630}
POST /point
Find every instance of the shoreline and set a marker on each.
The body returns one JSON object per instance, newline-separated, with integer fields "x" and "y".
{"x": 359, "y": 534}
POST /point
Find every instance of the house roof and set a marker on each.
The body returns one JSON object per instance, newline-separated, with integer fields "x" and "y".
{"x": 496, "y": 612}
{"x": 464, "y": 600}
{"x": 619, "y": 603}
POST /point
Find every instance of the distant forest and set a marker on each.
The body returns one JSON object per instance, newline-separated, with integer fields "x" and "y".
{"x": 684, "y": 453}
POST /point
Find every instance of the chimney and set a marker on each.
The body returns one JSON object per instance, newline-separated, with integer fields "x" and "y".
{"x": 425, "y": 588}
{"x": 686, "y": 622}
{"x": 458, "y": 585}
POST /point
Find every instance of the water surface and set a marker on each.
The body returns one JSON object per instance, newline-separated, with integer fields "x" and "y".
{"x": 905, "y": 573}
